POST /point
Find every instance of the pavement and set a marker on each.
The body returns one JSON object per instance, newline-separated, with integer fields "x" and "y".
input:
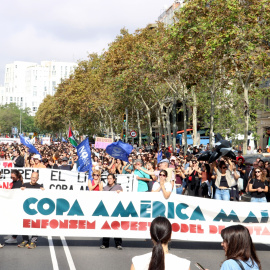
{"x": 84, "y": 254}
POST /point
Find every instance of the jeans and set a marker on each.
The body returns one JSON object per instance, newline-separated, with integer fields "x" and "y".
{"x": 222, "y": 194}
{"x": 179, "y": 190}
{"x": 263, "y": 199}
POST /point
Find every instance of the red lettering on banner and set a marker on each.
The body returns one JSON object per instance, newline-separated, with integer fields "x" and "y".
{"x": 6, "y": 185}
{"x": 265, "y": 231}
{"x": 26, "y": 223}
{"x": 215, "y": 229}
{"x": 125, "y": 225}
{"x": 184, "y": 228}
{"x": 91, "y": 225}
{"x": 175, "y": 227}
{"x": 192, "y": 228}
{"x": 81, "y": 224}
{"x": 35, "y": 224}
{"x": 106, "y": 226}
{"x": 133, "y": 225}
{"x": 73, "y": 224}
{"x": 199, "y": 229}
{"x": 44, "y": 223}
{"x": 143, "y": 226}
{"x": 257, "y": 229}
{"x": 115, "y": 225}
{"x": 63, "y": 224}
{"x": 54, "y": 224}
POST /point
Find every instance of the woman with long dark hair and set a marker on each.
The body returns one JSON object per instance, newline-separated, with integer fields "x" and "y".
{"x": 239, "y": 249}
{"x": 160, "y": 258}
{"x": 258, "y": 186}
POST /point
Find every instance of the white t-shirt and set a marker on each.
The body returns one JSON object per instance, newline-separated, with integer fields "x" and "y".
{"x": 172, "y": 262}
{"x": 167, "y": 185}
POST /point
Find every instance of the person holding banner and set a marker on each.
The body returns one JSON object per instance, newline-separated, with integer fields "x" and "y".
{"x": 17, "y": 159}
{"x": 160, "y": 258}
{"x": 96, "y": 183}
{"x": 17, "y": 182}
{"x": 33, "y": 184}
{"x": 112, "y": 186}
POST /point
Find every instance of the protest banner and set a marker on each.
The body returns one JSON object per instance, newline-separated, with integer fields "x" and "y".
{"x": 102, "y": 143}
{"x": 63, "y": 180}
{"x": 6, "y": 164}
{"x": 126, "y": 215}
{"x": 46, "y": 140}
{"x": 9, "y": 140}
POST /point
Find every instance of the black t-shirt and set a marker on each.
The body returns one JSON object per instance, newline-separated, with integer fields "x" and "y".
{"x": 65, "y": 167}
{"x": 16, "y": 184}
{"x": 28, "y": 185}
{"x": 256, "y": 184}
{"x": 223, "y": 182}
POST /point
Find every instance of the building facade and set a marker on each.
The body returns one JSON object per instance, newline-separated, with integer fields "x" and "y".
{"x": 27, "y": 84}
{"x": 167, "y": 16}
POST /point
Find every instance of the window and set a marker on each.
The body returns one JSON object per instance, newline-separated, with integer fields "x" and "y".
{"x": 34, "y": 109}
{"x": 34, "y": 93}
{"x": 21, "y": 99}
{"x": 11, "y": 99}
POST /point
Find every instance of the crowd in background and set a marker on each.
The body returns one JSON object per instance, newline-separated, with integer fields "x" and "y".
{"x": 224, "y": 179}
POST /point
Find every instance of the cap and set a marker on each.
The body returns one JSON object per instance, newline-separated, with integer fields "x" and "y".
{"x": 36, "y": 157}
{"x": 64, "y": 159}
{"x": 164, "y": 160}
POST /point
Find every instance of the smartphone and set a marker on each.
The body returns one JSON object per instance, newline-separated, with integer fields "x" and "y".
{"x": 199, "y": 266}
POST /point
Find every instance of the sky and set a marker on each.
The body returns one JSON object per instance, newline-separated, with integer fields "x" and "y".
{"x": 68, "y": 30}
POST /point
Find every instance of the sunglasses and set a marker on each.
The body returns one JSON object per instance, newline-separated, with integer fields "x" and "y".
{"x": 96, "y": 174}
{"x": 161, "y": 174}
{"x": 257, "y": 171}
{"x": 224, "y": 168}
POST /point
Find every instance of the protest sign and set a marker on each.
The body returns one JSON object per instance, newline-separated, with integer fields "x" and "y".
{"x": 126, "y": 215}
{"x": 102, "y": 143}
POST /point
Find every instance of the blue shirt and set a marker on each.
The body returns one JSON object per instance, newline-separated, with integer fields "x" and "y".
{"x": 233, "y": 265}
{"x": 142, "y": 185}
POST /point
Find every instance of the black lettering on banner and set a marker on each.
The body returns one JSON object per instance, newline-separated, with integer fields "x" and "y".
{"x": 60, "y": 177}
{"x": 52, "y": 185}
{"x": 58, "y": 187}
{"x": 27, "y": 173}
{"x": 71, "y": 187}
{"x": 7, "y": 171}
{"x": 53, "y": 175}
{"x": 21, "y": 171}
{"x": 64, "y": 187}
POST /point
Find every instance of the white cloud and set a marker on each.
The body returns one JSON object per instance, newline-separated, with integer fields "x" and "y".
{"x": 67, "y": 30}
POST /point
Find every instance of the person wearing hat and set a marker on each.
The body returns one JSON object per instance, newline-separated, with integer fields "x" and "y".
{"x": 38, "y": 164}
{"x": 65, "y": 166}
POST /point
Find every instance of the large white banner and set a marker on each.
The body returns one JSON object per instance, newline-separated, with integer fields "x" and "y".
{"x": 126, "y": 215}
{"x": 61, "y": 179}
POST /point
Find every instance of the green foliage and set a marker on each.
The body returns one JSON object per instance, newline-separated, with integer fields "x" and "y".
{"x": 10, "y": 117}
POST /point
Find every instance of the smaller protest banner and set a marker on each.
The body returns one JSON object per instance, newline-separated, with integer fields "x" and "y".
{"x": 102, "y": 142}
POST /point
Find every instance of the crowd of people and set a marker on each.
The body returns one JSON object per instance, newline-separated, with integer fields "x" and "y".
{"x": 171, "y": 172}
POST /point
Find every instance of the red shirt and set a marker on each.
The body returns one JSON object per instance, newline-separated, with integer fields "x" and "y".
{"x": 97, "y": 187}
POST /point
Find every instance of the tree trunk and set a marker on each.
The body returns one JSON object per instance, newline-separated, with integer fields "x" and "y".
{"x": 185, "y": 124}
{"x": 111, "y": 127}
{"x": 168, "y": 123}
{"x": 212, "y": 112}
{"x": 174, "y": 123}
{"x": 148, "y": 113}
{"x": 246, "y": 101}
{"x": 139, "y": 128}
{"x": 163, "y": 124}
{"x": 194, "y": 117}
{"x": 159, "y": 127}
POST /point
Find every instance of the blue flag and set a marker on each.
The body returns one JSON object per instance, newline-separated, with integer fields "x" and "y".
{"x": 28, "y": 144}
{"x": 119, "y": 150}
{"x": 159, "y": 157}
{"x": 84, "y": 157}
